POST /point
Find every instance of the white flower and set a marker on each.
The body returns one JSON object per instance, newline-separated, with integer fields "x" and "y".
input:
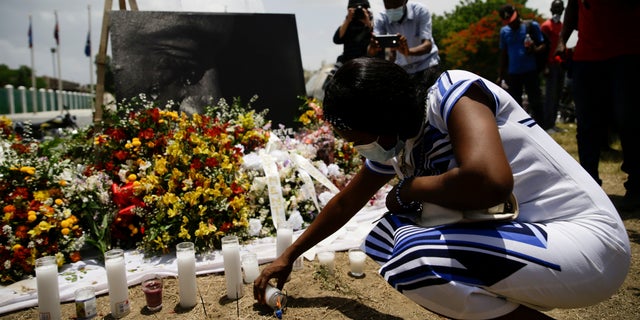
{"x": 254, "y": 227}
{"x": 122, "y": 173}
{"x": 7, "y": 264}
{"x": 295, "y": 220}
{"x": 258, "y": 184}
{"x": 325, "y": 197}
{"x": 6, "y": 229}
{"x": 333, "y": 170}
{"x": 251, "y": 161}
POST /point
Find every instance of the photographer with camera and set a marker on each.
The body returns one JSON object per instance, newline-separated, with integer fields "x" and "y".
{"x": 355, "y": 32}
{"x": 415, "y": 51}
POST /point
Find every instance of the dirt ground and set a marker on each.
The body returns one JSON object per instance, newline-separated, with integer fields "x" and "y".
{"x": 315, "y": 294}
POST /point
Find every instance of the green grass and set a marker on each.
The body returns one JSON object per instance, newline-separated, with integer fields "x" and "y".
{"x": 610, "y": 160}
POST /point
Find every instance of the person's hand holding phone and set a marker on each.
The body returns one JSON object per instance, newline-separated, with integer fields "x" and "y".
{"x": 403, "y": 47}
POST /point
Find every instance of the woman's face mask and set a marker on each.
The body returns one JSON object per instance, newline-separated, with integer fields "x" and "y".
{"x": 556, "y": 17}
{"x": 395, "y": 14}
{"x": 375, "y": 152}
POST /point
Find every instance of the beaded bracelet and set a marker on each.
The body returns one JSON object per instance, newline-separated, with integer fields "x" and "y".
{"x": 413, "y": 205}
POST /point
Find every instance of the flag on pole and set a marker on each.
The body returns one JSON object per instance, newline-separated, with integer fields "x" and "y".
{"x": 87, "y": 47}
{"x": 30, "y": 35}
{"x": 56, "y": 32}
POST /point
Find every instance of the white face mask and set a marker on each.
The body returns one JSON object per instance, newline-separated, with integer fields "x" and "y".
{"x": 556, "y": 17}
{"x": 395, "y": 14}
{"x": 375, "y": 152}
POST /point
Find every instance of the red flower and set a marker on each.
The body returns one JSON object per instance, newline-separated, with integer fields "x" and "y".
{"x": 154, "y": 114}
{"x": 211, "y": 162}
{"x": 116, "y": 134}
{"x": 20, "y": 192}
{"x": 146, "y": 134}
{"x": 236, "y": 188}
{"x": 121, "y": 155}
{"x": 196, "y": 164}
{"x": 20, "y": 148}
{"x": 226, "y": 226}
{"x": 75, "y": 256}
{"x": 22, "y": 232}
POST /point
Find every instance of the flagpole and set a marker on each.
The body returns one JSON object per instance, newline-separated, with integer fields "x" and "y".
{"x": 91, "y": 91}
{"x": 34, "y": 103}
{"x": 57, "y": 36}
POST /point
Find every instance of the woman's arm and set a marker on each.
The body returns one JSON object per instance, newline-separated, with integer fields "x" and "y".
{"x": 483, "y": 177}
{"x": 335, "y": 214}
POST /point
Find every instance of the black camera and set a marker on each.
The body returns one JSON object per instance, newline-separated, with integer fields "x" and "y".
{"x": 359, "y": 12}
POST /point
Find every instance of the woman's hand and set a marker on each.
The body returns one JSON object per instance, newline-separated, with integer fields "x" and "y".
{"x": 279, "y": 269}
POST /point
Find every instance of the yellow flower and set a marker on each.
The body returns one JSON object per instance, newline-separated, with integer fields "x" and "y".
{"x": 65, "y": 223}
{"x": 59, "y": 202}
{"x": 65, "y": 231}
{"x": 132, "y": 177}
{"x": 184, "y": 233}
{"x": 161, "y": 166}
{"x": 136, "y": 142}
{"x": 44, "y": 226}
{"x": 41, "y": 196}
{"x": 28, "y": 170}
{"x": 16, "y": 247}
{"x": 169, "y": 198}
{"x": 62, "y": 183}
{"x": 172, "y": 212}
{"x": 204, "y": 229}
{"x": 60, "y": 259}
{"x": 237, "y": 203}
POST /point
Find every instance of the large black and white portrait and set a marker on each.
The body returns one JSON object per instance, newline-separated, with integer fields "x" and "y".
{"x": 195, "y": 59}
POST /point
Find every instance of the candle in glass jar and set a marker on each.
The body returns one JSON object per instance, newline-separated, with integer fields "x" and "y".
{"x": 284, "y": 237}
{"x": 186, "y": 255}
{"x": 326, "y": 258}
{"x": 117, "y": 282}
{"x": 47, "y": 286}
{"x": 152, "y": 289}
{"x": 86, "y": 306}
{"x": 357, "y": 258}
{"x": 232, "y": 266}
{"x": 250, "y": 267}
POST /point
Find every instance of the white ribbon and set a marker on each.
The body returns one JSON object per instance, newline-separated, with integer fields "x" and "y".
{"x": 307, "y": 166}
{"x": 276, "y": 200}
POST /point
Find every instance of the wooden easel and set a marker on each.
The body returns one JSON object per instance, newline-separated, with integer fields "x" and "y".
{"x": 102, "y": 55}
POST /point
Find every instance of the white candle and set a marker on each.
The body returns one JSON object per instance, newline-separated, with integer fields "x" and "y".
{"x": 250, "y": 267}
{"x": 284, "y": 237}
{"x": 187, "y": 287}
{"x": 357, "y": 258}
{"x": 232, "y": 267}
{"x": 117, "y": 282}
{"x": 326, "y": 258}
{"x": 47, "y": 285}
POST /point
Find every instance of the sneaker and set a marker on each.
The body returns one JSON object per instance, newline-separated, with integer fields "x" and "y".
{"x": 630, "y": 201}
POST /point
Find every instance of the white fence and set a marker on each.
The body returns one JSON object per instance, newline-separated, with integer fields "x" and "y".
{"x": 21, "y": 100}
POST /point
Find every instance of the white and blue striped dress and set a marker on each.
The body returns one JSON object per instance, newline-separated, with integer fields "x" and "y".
{"x": 568, "y": 247}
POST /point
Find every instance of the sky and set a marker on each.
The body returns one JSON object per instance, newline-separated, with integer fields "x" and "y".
{"x": 316, "y": 22}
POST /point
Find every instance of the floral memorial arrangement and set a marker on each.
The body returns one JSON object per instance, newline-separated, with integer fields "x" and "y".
{"x": 42, "y": 196}
{"x": 149, "y": 177}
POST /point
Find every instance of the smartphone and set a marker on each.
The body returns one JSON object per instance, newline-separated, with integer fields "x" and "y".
{"x": 388, "y": 40}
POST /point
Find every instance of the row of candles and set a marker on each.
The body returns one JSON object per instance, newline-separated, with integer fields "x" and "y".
{"x": 234, "y": 264}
